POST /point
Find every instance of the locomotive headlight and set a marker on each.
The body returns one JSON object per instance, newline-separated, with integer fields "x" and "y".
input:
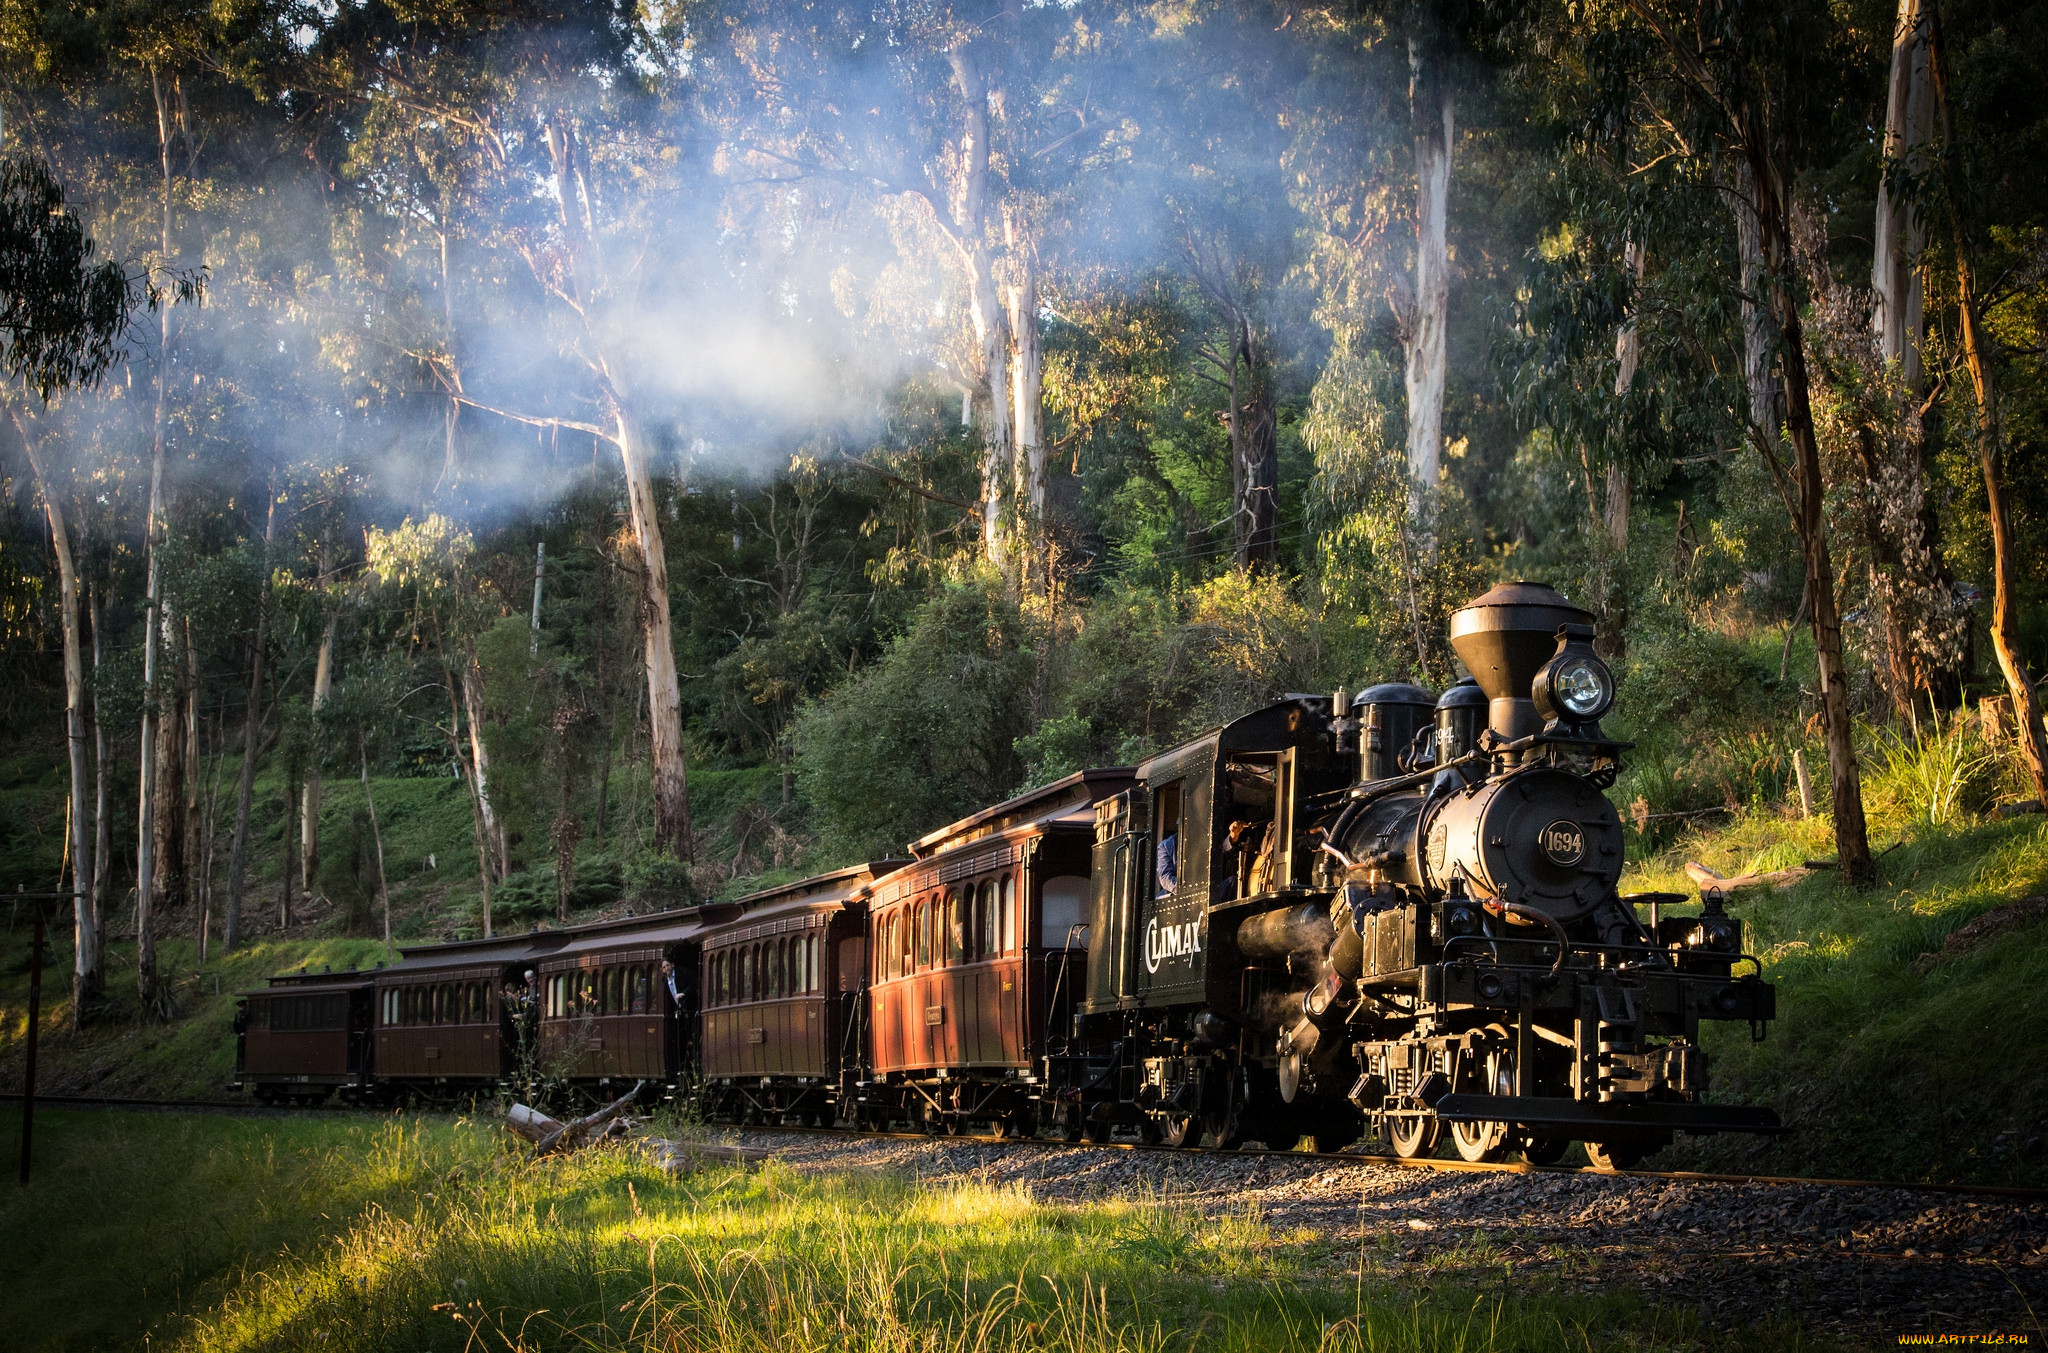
{"x": 1583, "y": 687}
{"x": 1574, "y": 687}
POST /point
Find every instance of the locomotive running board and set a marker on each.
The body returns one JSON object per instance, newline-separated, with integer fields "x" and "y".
{"x": 1536, "y": 1112}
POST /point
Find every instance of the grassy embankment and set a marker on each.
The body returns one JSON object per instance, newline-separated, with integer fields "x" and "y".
{"x": 230, "y": 1234}
{"x": 1890, "y": 1063}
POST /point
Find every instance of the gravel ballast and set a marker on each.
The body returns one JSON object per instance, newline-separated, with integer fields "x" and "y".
{"x": 1865, "y": 1263}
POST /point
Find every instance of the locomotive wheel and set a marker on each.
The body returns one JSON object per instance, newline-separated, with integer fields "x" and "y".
{"x": 1414, "y": 1137}
{"x": 1148, "y": 1130}
{"x": 1178, "y": 1129}
{"x": 1487, "y": 1141}
{"x": 1480, "y": 1141}
{"x": 1097, "y": 1130}
{"x": 1070, "y": 1123}
{"x": 1607, "y": 1157}
{"x": 1545, "y": 1150}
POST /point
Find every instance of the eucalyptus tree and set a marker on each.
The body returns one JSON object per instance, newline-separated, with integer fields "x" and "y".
{"x": 1749, "y": 83}
{"x": 1982, "y": 85}
{"x": 63, "y": 318}
{"x": 891, "y": 107}
{"x": 575, "y": 284}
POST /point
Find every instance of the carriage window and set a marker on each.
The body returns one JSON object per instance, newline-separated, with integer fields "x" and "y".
{"x": 639, "y": 991}
{"x": 391, "y": 1007}
{"x": 779, "y": 978}
{"x": 991, "y": 937}
{"x": 1009, "y": 913}
{"x": 615, "y": 992}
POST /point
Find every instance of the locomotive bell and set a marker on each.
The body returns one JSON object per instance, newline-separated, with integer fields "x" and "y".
{"x": 1504, "y": 639}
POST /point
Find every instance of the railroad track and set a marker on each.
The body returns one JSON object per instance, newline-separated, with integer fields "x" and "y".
{"x": 1334, "y": 1157}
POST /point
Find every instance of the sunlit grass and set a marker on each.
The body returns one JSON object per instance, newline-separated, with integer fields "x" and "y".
{"x": 429, "y": 1234}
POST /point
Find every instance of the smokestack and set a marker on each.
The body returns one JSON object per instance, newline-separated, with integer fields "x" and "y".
{"x": 1504, "y": 638}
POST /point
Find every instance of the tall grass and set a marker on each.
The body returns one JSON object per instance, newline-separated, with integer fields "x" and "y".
{"x": 428, "y": 1234}
{"x": 1931, "y": 776}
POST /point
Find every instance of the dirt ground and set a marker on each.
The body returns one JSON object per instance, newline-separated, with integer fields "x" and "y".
{"x": 1863, "y": 1265}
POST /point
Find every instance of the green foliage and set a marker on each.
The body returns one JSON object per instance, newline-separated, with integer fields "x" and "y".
{"x": 927, "y": 732}
{"x": 1060, "y": 746}
{"x": 62, "y": 316}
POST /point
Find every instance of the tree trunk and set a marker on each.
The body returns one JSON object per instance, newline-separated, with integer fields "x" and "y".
{"x": 1756, "y": 318}
{"x": 1027, "y": 381}
{"x": 474, "y": 780}
{"x": 85, "y": 944}
{"x": 198, "y": 843}
{"x": 1628, "y": 347}
{"x": 664, "y": 693}
{"x": 309, "y": 810}
{"x": 1901, "y": 235}
{"x": 171, "y": 771}
{"x": 491, "y": 852}
{"x": 1255, "y": 451}
{"x": 291, "y": 843}
{"x": 252, "y": 742}
{"x": 2026, "y": 704}
{"x": 1430, "y": 104}
{"x": 985, "y": 306}
{"x": 377, "y": 840}
{"x": 1770, "y": 202}
{"x": 154, "y": 615}
{"x": 103, "y": 821}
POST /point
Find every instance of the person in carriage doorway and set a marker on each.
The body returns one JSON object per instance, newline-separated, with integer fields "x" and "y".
{"x": 668, "y": 977}
{"x": 1167, "y": 857}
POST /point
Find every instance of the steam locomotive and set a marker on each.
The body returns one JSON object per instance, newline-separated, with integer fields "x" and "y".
{"x": 1392, "y": 912}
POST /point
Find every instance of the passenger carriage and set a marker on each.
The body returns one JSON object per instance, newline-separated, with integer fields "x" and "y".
{"x": 305, "y": 1037}
{"x": 979, "y": 954}
{"x": 782, "y": 985}
{"x": 606, "y": 1014}
{"x": 450, "y": 1017}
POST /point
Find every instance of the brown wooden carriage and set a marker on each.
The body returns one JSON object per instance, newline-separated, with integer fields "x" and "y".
{"x": 305, "y": 1037}
{"x": 782, "y": 984}
{"x": 606, "y": 1013}
{"x": 978, "y": 953}
{"x": 449, "y": 1017}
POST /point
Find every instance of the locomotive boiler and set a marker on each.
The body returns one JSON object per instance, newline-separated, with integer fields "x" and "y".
{"x": 1401, "y": 912}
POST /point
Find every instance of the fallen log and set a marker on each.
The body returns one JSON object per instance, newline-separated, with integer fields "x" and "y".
{"x": 550, "y": 1135}
{"x": 1707, "y": 879}
{"x": 530, "y": 1123}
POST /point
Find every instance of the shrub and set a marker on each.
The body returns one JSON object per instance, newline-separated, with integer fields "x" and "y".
{"x": 925, "y": 733}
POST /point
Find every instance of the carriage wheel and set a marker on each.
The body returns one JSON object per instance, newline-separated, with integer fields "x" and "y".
{"x": 1545, "y": 1150}
{"x": 1414, "y": 1137}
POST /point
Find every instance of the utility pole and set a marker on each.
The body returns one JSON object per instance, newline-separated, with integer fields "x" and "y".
{"x": 35, "y": 1019}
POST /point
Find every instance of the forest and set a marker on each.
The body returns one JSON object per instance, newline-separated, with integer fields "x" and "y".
{"x": 471, "y": 466}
